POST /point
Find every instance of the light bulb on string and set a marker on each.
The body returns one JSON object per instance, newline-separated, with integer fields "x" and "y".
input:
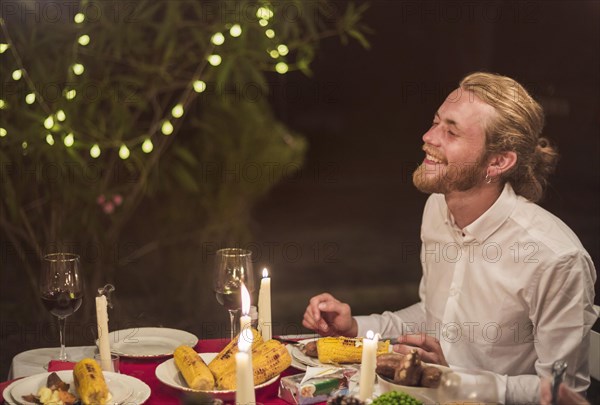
{"x": 218, "y": 39}
{"x": 235, "y": 31}
{"x": 214, "y": 59}
{"x": 263, "y": 22}
{"x": 78, "y": 69}
{"x": 283, "y": 49}
{"x": 79, "y": 18}
{"x": 274, "y": 54}
{"x": 124, "y": 152}
{"x": 95, "y": 151}
{"x": 264, "y": 13}
{"x": 30, "y": 98}
{"x": 3, "y": 132}
{"x": 270, "y": 33}
{"x": 167, "y": 128}
{"x": 177, "y": 111}
{"x": 147, "y": 146}
{"x": 199, "y": 86}
{"x": 61, "y": 116}
{"x": 17, "y": 74}
{"x": 50, "y": 139}
{"x": 70, "y": 94}
{"x": 3, "y": 47}
{"x": 49, "y": 122}
{"x": 69, "y": 140}
{"x": 24, "y": 145}
{"x": 2, "y": 104}
{"x": 281, "y": 67}
{"x": 84, "y": 40}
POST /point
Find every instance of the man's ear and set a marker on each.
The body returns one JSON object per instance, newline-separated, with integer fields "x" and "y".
{"x": 501, "y": 163}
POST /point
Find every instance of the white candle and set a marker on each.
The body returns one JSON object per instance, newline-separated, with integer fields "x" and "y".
{"x": 264, "y": 306}
{"x": 245, "y": 319}
{"x": 103, "y": 342}
{"x": 244, "y": 374}
{"x": 367, "y": 366}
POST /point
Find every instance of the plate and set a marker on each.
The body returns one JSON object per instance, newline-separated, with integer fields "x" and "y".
{"x": 118, "y": 387}
{"x": 303, "y": 358}
{"x": 295, "y": 363}
{"x": 168, "y": 374}
{"x": 149, "y": 342}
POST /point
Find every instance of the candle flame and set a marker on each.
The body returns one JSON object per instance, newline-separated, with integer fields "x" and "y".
{"x": 265, "y": 273}
{"x": 370, "y": 334}
{"x": 245, "y": 340}
{"x": 245, "y": 300}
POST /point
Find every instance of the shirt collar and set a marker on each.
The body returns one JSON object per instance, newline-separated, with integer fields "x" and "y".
{"x": 484, "y": 226}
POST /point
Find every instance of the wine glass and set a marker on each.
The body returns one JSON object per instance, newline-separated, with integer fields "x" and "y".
{"x": 233, "y": 267}
{"x": 463, "y": 386}
{"x": 61, "y": 289}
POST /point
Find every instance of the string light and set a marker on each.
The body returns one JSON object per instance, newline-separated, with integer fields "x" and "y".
{"x": 2, "y": 104}
{"x": 263, "y": 22}
{"x": 235, "y": 31}
{"x": 61, "y": 116}
{"x": 177, "y": 111}
{"x": 199, "y": 86}
{"x": 264, "y": 13}
{"x": 147, "y": 146}
{"x": 3, "y": 47}
{"x": 84, "y": 40}
{"x": 70, "y": 94}
{"x": 24, "y": 145}
{"x": 283, "y": 49}
{"x": 78, "y": 69}
{"x": 3, "y": 132}
{"x": 79, "y": 18}
{"x": 123, "y": 152}
{"x": 95, "y": 151}
{"x": 167, "y": 128}
{"x": 281, "y": 67}
{"x": 69, "y": 140}
{"x": 274, "y": 54}
{"x": 214, "y": 60}
{"x": 218, "y": 39}
{"x": 270, "y": 33}
{"x": 17, "y": 74}
{"x": 50, "y": 139}
{"x": 49, "y": 122}
{"x": 30, "y": 98}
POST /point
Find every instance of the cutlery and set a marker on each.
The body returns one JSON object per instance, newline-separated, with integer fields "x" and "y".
{"x": 558, "y": 370}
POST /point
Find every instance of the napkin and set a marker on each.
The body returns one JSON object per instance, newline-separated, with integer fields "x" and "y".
{"x": 58, "y": 365}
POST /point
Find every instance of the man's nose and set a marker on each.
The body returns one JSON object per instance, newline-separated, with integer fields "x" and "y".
{"x": 432, "y": 136}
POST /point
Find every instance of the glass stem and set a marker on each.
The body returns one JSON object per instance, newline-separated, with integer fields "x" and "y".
{"x": 232, "y": 322}
{"x": 62, "y": 329}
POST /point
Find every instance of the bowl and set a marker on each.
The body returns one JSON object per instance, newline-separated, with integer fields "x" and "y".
{"x": 427, "y": 395}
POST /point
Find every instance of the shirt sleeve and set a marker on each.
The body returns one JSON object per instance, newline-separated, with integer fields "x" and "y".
{"x": 562, "y": 312}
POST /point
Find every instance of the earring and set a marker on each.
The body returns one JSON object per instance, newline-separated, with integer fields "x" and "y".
{"x": 488, "y": 179}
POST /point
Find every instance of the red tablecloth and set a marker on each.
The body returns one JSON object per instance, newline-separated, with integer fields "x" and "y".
{"x": 164, "y": 395}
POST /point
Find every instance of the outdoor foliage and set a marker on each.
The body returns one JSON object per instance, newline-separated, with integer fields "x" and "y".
{"x": 83, "y": 102}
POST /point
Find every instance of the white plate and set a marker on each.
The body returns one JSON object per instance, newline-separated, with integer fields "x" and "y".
{"x": 295, "y": 363}
{"x": 303, "y": 358}
{"x": 168, "y": 374}
{"x": 149, "y": 342}
{"x": 119, "y": 389}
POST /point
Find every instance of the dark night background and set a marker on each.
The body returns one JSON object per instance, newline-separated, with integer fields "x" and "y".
{"x": 349, "y": 221}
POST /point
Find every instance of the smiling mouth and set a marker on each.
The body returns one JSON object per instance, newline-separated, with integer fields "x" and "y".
{"x": 432, "y": 159}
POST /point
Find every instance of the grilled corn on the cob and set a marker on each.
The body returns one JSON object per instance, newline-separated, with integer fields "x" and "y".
{"x": 89, "y": 383}
{"x": 225, "y": 360}
{"x": 268, "y": 360}
{"x": 344, "y": 349}
{"x": 194, "y": 370}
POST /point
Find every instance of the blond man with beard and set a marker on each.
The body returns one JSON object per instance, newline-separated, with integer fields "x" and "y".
{"x": 507, "y": 287}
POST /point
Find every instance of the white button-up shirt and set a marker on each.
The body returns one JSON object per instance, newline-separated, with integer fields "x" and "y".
{"x": 510, "y": 293}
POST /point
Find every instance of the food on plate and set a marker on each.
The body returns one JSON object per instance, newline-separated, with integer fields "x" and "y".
{"x": 55, "y": 392}
{"x": 194, "y": 370}
{"x": 225, "y": 360}
{"x": 89, "y": 382}
{"x": 345, "y": 400}
{"x": 310, "y": 349}
{"x": 408, "y": 370}
{"x": 269, "y": 359}
{"x": 396, "y": 398}
{"x": 344, "y": 349}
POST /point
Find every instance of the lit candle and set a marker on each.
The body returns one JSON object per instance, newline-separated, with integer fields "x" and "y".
{"x": 244, "y": 374}
{"x": 264, "y": 306}
{"x": 245, "y": 319}
{"x": 367, "y": 366}
{"x": 103, "y": 342}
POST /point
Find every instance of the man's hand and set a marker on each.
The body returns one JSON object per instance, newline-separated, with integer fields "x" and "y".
{"x": 428, "y": 347}
{"x": 329, "y": 317}
{"x": 565, "y": 395}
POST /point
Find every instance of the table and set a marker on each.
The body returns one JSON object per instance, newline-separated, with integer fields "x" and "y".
{"x": 33, "y": 361}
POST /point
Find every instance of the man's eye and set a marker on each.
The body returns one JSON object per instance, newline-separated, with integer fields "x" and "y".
{"x": 434, "y": 123}
{"x": 451, "y": 133}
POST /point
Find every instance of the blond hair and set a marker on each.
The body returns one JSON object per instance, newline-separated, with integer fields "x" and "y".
{"x": 516, "y": 127}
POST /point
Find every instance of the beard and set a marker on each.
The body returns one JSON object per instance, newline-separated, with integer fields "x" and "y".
{"x": 445, "y": 178}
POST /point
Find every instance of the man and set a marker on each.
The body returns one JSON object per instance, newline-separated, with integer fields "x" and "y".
{"x": 506, "y": 287}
